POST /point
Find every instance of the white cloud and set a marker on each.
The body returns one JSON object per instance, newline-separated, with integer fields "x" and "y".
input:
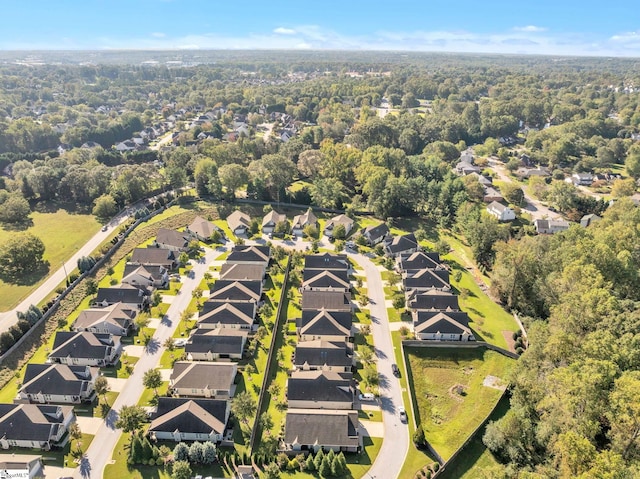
{"x": 158, "y": 35}
{"x": 284, "y": 31}
{"x": 530, "y": 29}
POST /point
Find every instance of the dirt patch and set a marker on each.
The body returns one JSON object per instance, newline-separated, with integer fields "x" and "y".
{"x": 508, "y": 337}
{"x": 493, "y": 382}
{"x": 468, "y": 370}
{"x": 458, "y": 392}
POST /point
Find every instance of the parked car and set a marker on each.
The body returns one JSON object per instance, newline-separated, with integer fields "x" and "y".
{"x": 396, "y": 371}
{"x": 403, "y": 414}
{"x": 366, "y": 397}
{"x": 105, "y": 228}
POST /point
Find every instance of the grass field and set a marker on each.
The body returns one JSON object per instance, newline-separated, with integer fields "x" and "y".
{"x": 54, "y": 231}
{"x": 447, "y": 415}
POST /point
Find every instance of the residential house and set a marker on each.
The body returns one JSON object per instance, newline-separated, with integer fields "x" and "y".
{"x": 326, "y": 325}
{"x": 483, "y": 180}
{"x": 465, "y": 168}
{"x": 85, "y": 349}
{"x": 184, "y": 419}
{"x": 243, "y": 254}
{"x": 404, "y": 244}
{"x": 239, "y": 223}
{"x": 491, "y": 194}
{"x": 223, "y": 314}
{"x": 236, "y": 291}
{"x": 242, "y": 272}
{"x": 549, "y": 227}
{"x": 127, "y": 145}
{"x": 329, "y": 300}
{"x": 202, "y": 229}
{"x": 315, "y": 429}
{"x": 320, "y": 390}
{"x": 418, "y": 260}
{"x": 433, "y": 300}
{"x": 588, "y": 220}
{"x": 376, "y": 234}
{"x": 172, "y": 240}
{"x": 214, "y": 344}
{"x": 270, "y": 220}
{"x": 207, "y": 380}
{"x": 35, "y": 426}
{"x": 300, "y": 222}
{"x": 425, "y": 280}
{"x": 132, "y": 297}
{"x": 338, "y": 220}
{"x": 29, "y": 466}
{"x": 500, "y": 211}
{"x": 58, "y": 383}
{"x": 148, "y": 276}
{"x": 584, "y": 179}
{"x": 442, "y": 326}
{"x": 541, "y": 172}
{"x": 326, "y": 262}
{"x": 116, "y": 319}
{"x": 332, "y": 280}
{"x": 154, "y": 257}
{"x": 321, "y": 355}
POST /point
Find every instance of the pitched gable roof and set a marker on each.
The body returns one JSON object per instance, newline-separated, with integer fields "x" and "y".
{"x": 155, "y": 256}
{"x": 337, "y": 279}
{"x": 117, "y": 314}
{"x": 152, "y": 272}
{"x": 339, "y": 220}
{"x": 300, "y": 221}
{"x": 434, "y": 300}
{"x": 238, "y": 219}
{"x": 273, "y": 217}
{"x": 196, "y": 416}
{"x": 199, "y": 375}
{"x": 319, "y": 386}
{"x": 244, "y": 253}
{"x": 442, "y": 322}
{"x": 57, "y": 379}
{"x": 236, "y": 290}
{"x": 325, "y": 323}
{"x": 427, "y": 278}
{"x": 326, "y": 262}
{"x": 32, "y": 422}
{"x": 216, "y": 341}
{"x": 218, "y": 312}
{"x": 122, "y": 293}
{"x": 83, "y": 345}
{"x": 329, "y": 300}
{"x": 202, "y": 227}
{"x": 402, "y": 243}
{"x": 322, "y": 427}
{"x": 419, "y": 260}
{"x": 247, "y": 272}
{"x": 376, "y": 231}
{"x": 323, "y": 353}
{"x": 172, "y": 238}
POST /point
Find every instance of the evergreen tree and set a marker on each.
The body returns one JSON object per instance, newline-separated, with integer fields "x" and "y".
{"x": 196, "y": 453}
{"x": 208, "y": 453}
{"x": 310, "y": 466}
{"x": 147, "y": 450}
{"x": 318, "y": 459}
{"x": 181, "y": 452}
{"x": 325, "y": 467}
{"x": 136, "y": 453}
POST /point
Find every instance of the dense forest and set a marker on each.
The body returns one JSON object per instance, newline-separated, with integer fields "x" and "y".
{"x": 575, "y": 407}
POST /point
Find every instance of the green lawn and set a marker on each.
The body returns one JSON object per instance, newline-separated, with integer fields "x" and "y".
{"x": 148, "y": 397}
{"x": 57, "y": 458}
{"x": 370, "y": 415}
{"x": 449, "y": 416}
{"x": 120, "y": 369}
{"x": 53, "y": 229}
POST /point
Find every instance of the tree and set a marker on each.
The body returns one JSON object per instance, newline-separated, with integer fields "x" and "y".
{"x": 513, "y": 193}
{"x": 266, "y": 422}
{"x": 271, "y": 471}
{"x": 196, "y": 453}
{"x": 15, "y": 209}
{"x": 325, "y": 467}
{"x": 75, "y": 434}
{"x": 105, "y": 208}
{"x": 181, "y": 452}
{"x": 632, "y": 162}
{"x": 399, "y": 302}
{"x": 209, "y": 453}
{"x": 624, "y": 415}
{"x": 131, "y": 418}
{"x": 310, "y": 163}
{"x": 626, "y": 187}
{"x": 6, "y": 341}
{"x": 152, "y": 379}
{"x": 243, "y": 406}
{"x": 181, "y": 470}
{"x": 328, "y": 192}
{"x": 101, "y": 387}
{"x": 233, "y": 176}
{"x": 419, "y": 438}
{"x": 339, "y": 232}
{"x": 21, "y": 255}
{"x": 85, "y": 263}
{"x": 183, "y": 258}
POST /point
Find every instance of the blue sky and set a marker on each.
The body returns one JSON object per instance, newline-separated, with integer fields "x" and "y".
{"x": 567, "y": 27}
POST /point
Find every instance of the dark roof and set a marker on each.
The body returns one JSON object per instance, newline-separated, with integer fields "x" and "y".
{"x": 436, "y": 300}
{"x": 229, "y": 290}
{"x": 322, "y": 427}
{"x": 122, "y": 293}
{"x": 57, "y": 379}
{"x": 83, "y": 345}
{"x": 155, "y": 271}
{"x": 249, "y": 272}
{"x": 329, "y": 300}
{"x": 172, "y": 238}
{"x": 216, "y": 341}
{"x": 441, "y": 322}
{"x": 221, "y": 312}
{"x": 427, "y": 278}
{"x": 401, "y": 243}
{"x": 256, "y": 254}
{"x": 319, "y": 386}
{"x": 190, "y": 415}
{"x": 314, "y": 278}
{"x": 325, "y": 323}
{"x": 326, "y": 262}
{"x": 419, "y": 260}
{"x": 32, "y": 422}
{"x": 153, "y": 256}
{"x": 321, "y": 353}
{"x": 377, "y": 231}
{"x": 201, "y": 375}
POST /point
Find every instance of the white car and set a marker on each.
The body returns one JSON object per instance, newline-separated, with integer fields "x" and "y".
{"x": 366, "y": 397}
{"x": 179, "y": 342}
{"x": 403, "y": 414}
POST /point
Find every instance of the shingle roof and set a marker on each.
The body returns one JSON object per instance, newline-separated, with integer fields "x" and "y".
{"x": 201, "y": 416}
{"x": 122, "y": 293}
{"x": 57, "y": 379}
{"x": 172, "y": 238}
{"x": 337, "y": 279}
{"x": 228, "y": 290}
{"x": 32, "y": 422}
{"x": 117, "y": 314}
{"x": 339, "y": 220}
{"x": 273, "y": 217}
{"x": 83, "y": 345}
{"x": 199, "y": 375}
{"x": 434, "y": 299}
{"x": 427, "y": 278}
{"x": 442, "y": 322}
{"x": 202, "y": 227}
{"x": 216, "y": 341}
{"x": 242, "y": 253}
{"x": 326, "y": 262}
{"x": 242, "y": 271}
{"x": 402, "y": 243}
{"x": 238, "y": 219}
{"x": 376, "y": 231}
{"x": 325, "y": 323}
{"x": 155, "y": 256}
{"x": 154, "y": 272}
{"x": 329, "y": 300}
{"x": 300, "y": 221}
{"x": 419, "y": 260}
{"x": 322, "y": 427}
{"x": 323, "y": 353}
{"x": 321, "y": 386}
{"x": 218, "y": 312}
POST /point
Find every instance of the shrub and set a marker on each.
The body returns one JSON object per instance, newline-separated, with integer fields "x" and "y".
{"x": 181, "y": 452}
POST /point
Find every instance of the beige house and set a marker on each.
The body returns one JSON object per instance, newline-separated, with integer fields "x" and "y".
{"x": 271, "y": 219}
{"x": 300, "y": 222}
{"x": 338, "y": 220}
{"x": 239, "y": 223}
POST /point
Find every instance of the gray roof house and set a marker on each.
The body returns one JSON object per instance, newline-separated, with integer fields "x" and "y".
{"x": 338, "y": 220}
{"x": 214, "y": 344}
{"x": 433, "y": 300}
{"x": 326, "y": 262}
{"x": 85, "y": 349}
{"x": 208, "y": 380}
{"x": 117, "y": 319}
{"x": 426, "y": 279}
{"x": 244, "y": 254}
{"x": 301, "y": 221}
{"x": 39, "y": 426}
{"x": 329, "y": 300}
{"x": 154, "y": 257}
{"x": 223, "y": 314}
{"x": 320, "y": 390}
{"x": 588, "y": 220}
{"x": 418, "y": 260}
{"x": 58, "y": 383}
{"x": 132, "y": 297}
{"x": 549, "y": 227}
{"x": 228, "y": 290}
{"x": 202, "y": 229}
{"x": 312, "y": 429}
{"x": 404, "y": 244}
{"x": 376, "y": 233}
{"x": 332, "y": 280}
{"x": 271, "y": 219}
{"x": 148, "y": 276}
{"x": 239, "y": 223}
{"x": 30, "y": 464}
{"x": 184, "y": 419}
{"x": 324, "y": 355}
{"x": 172, "y": 240}
{"x": 242, "y": 272}
{"x": 500, "y": 211}
{"x": 323, "y": 324}
{"x": 442, "y": 326}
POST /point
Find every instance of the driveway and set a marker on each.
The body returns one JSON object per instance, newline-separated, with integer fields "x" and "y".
{"x": 100, "y": 452}
{"x": 372, "y": 428}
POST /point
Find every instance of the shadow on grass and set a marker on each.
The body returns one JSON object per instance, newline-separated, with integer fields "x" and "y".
{"x": 28, "y": 278}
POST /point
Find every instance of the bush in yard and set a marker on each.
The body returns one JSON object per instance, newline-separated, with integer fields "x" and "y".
{"x": 399, "y": 302}
{"x": 181, "y": 470}
{"x": 317, "y": 461}
{"x": 209, "y": 453}
{"x": 310, "y": 465}
{"x": 181, "y": 452}
{"x": 147, "y": 449}
{"x": 135, "y": 451}
{"x": 196, "y": 453}
{"x": 325, "y": 467}
{"x": 339, "y": 232}
{"x": 418, "y": 437}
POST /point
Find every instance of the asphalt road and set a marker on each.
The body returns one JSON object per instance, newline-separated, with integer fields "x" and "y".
{"x": 9, "y": 318}
{"x": 101, "y": 449}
